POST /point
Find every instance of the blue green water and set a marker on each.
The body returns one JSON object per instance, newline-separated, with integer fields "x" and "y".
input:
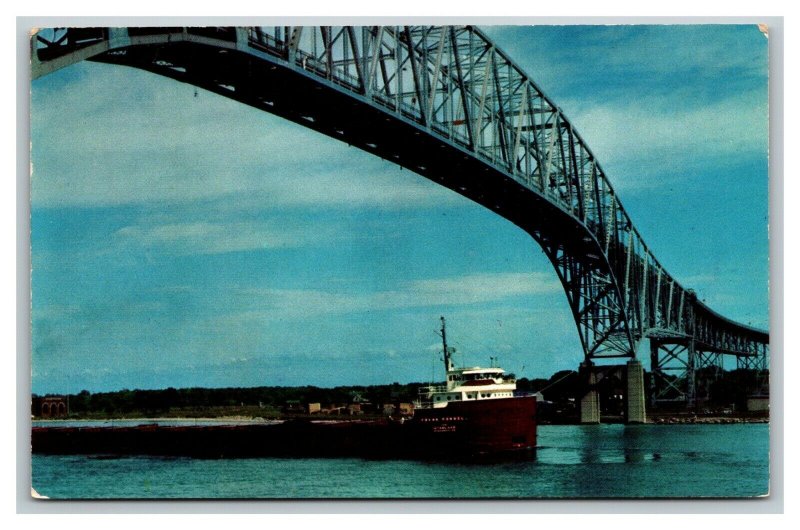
{"x": 605, "y": 461}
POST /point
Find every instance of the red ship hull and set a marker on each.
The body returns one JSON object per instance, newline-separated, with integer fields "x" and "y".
{"x": 461, "y": 429}
{"x": 477, "y": 427}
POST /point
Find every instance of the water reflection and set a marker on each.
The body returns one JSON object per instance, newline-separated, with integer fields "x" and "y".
{"x": 633, "y": 437}
{"x": 602, "y": 444}
{"x": 604, "y": 461}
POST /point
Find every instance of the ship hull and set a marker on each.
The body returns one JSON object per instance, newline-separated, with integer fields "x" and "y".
{"x": 477, "y": 427}
{"x": 490, "y": 427}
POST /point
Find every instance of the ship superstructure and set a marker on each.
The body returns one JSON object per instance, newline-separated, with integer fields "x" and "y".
{"x": 466, "y": 383}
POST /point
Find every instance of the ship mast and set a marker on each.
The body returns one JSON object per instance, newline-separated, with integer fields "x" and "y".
{"x": 448, "y": 362}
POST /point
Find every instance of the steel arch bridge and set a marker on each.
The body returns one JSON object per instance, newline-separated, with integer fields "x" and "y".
{"x": 448, "y": 104}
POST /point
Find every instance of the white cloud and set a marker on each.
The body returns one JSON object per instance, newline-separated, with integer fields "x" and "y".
{"x": 560, "y": 57}
{"x": 471, "y": 289}
{"x": 215, "y": 238}
{"x": 654, "y": 103}
{"x": 477, "y": 288}
{"x": 641, "y": 142}
{"x": 105, "y": 135}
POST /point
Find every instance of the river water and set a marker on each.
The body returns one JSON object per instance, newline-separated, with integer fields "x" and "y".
{"x": 598, "y": 461}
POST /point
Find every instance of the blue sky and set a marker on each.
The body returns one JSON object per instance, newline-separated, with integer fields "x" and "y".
{"x": 193, "y": 241}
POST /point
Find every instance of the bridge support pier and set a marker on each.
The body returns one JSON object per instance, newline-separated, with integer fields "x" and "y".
{"x": 590, "y": 402}
{"x": 672, "y": 365}
{"x": 635, "y": 411}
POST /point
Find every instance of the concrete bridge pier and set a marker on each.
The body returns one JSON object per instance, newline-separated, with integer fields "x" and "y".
{"x": 635, "y": 397}
{"x": 633, "y": 374}
{"x": 590, "y": 402}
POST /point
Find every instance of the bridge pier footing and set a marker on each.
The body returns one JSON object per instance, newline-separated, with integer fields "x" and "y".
{"x": 590, "y": 402}
{"x": 635, "y": 397}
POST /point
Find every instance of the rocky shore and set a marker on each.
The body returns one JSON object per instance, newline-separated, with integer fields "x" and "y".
{"x": 670, "y": 420}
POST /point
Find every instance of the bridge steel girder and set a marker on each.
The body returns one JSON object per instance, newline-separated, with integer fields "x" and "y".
{"x": 594, "y": 298}
{"x": 758, "y": 360}
{"x": 672, "y": 369}
{"x": 708, "y": 370}
{"x": 759, "y": 363}
{"x": 448, "y": 104}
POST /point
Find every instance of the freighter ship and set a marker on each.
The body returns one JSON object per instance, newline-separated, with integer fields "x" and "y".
{"x": 477, "y": 411}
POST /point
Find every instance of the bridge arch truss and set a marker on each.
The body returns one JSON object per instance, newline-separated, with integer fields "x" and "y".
{"x": 447, "y": 103}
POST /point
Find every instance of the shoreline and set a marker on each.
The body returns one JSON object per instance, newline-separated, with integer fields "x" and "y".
{"x": 705, "y": 420}
{"x": 658, "y": 420}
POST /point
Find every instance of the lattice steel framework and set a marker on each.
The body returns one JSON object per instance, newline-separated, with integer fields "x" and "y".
{"x": 708, "y": 370}
{"x": 447, "y": 103}
{"x": 682, "y": 371}
{"x": 672, "y": 368}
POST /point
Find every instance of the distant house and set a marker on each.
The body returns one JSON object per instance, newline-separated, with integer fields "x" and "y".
{"x": 401, "y": 409}
{"x": 50, "y": 407}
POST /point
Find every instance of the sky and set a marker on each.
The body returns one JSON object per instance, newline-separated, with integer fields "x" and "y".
{"x": 180, "y": 239}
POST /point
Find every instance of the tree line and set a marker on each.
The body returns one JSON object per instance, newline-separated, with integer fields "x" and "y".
{"x": 563, "y": 387}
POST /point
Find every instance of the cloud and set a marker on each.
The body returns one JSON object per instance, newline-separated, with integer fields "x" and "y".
{"x": 471, "y": 289}
{"x": 726, "y": 291}
{"x": 477, "y": 288}
{"x": 644, "y": 143}
{"x": 613, "y": 61}
{"x": 217, "y": 238}
{"x": 105, "y": 136}
{"x": 654, "y": 103}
